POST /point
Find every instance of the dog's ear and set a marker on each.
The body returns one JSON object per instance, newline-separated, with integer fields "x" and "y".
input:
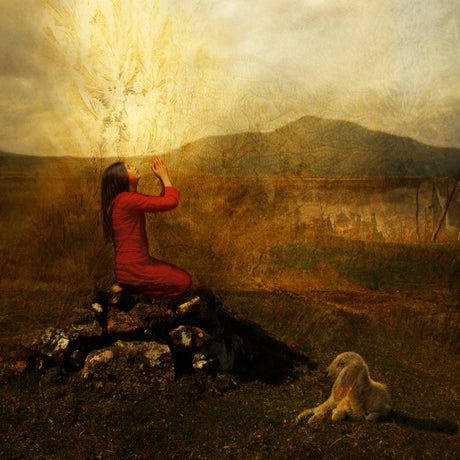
{"x": 346, "y": 380}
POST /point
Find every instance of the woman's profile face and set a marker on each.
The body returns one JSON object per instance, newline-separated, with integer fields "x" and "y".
{"x": 133, "y": 175}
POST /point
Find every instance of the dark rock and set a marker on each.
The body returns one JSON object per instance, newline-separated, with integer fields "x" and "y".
{"x": 193, "y": 307}
{"x": 182, "y": 338}
{"x": 192, "y": 345}
{"x": 85, "y": 333}
{"x": 123, "y": 301}
{"x": 122, "y": 324}
{"x": 189, "y": 337}
{"x": 41, "y": 363}
{"x": 203, "y": 363}
{"x": 102, "y": 298}
{"x": 132, "y": 362}
{"x": 225, "y": 355}
{"x": 145, "y": 320}
{"x": 201, "y": 305}
{"x": 76, "y": 359}
{"x": 85, "y": 322}
{"x": 201, "y": 337}
{"x": 157, "y": 318}
{"x": 54, "y": 343}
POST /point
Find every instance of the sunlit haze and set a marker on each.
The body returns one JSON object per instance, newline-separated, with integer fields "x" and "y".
{"x": 113, "y": 77}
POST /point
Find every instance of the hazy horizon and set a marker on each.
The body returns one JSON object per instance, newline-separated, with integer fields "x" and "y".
{"x": 179, "y": 148}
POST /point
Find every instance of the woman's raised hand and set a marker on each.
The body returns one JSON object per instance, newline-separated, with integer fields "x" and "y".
{"x": 159, "y": 167}
{"x": 160, "y": 170}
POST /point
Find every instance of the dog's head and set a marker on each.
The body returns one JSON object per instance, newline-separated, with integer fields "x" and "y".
{"x": 342, "y": 361}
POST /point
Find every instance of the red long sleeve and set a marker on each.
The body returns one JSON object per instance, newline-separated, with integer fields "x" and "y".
{"x": 134, "y": 202}
{"x": 128, "y": 220}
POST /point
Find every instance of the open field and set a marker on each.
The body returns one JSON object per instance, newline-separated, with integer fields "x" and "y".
{"x": 305, "y": 284}
{"x": 241, "y": 233}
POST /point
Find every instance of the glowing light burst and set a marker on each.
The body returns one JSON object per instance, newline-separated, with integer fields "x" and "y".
{"x": 125, "y": 73}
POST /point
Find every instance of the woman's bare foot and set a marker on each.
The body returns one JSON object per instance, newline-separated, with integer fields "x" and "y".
{"x": 116, "y": 289}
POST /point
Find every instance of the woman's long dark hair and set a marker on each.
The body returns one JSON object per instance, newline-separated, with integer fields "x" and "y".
{"x": 114, "y": 181}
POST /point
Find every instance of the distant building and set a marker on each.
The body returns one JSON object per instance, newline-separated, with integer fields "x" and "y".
{"x": 356, "y": 226}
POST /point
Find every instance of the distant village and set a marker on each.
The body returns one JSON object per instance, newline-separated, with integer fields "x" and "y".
{"x": 419, "y": 225}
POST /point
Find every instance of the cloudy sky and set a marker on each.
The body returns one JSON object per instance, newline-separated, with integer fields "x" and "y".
{"x": 131, "y": 76}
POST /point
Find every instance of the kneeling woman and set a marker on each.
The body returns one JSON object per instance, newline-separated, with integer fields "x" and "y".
{"x": 124, "y": 222}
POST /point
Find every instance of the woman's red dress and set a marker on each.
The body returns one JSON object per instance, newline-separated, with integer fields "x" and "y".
{"x": 135, "y": 269}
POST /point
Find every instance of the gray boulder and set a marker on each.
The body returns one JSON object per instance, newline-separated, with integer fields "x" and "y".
{"x": 131, "y": 362}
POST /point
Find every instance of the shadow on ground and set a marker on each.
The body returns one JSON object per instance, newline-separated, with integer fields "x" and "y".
{"x": 264, "y": 358}
{"x": 425, "y": 424}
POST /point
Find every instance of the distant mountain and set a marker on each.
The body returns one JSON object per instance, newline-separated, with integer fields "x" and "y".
{"x": 310, "y": 145}
{"x": 320, "y": 147}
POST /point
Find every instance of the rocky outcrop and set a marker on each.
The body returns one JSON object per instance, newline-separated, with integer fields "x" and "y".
{"x": 132, "y": 362}
{"x": 137, "y": 339}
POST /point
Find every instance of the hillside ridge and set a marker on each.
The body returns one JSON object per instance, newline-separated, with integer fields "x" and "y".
{"x": 310, "y": 145}
{"x": 319, "y": 146}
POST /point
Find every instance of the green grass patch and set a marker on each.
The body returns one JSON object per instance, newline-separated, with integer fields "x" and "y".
{"x": 377, "y": 265}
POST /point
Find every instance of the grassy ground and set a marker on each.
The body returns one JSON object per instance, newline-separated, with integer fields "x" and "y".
{"x": 374, "y": 265}
{"x": 61, "y": 416}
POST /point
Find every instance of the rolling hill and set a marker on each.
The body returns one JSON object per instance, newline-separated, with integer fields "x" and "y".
{"x": 311, "y": 146}
{"x": 319, "y": 147}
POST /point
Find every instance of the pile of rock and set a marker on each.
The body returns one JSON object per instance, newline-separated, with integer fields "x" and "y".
{"x": 134, "y": 338}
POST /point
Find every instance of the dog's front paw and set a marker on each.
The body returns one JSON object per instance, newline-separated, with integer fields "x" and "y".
{"x": 338, "y": 415}
{"x": 303, "y": 415}
{"x": 373, "y": 417}
{"x": 315, "y": 419}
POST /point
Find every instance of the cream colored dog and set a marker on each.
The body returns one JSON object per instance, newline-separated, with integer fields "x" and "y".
{"x": 354, "y": 394}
